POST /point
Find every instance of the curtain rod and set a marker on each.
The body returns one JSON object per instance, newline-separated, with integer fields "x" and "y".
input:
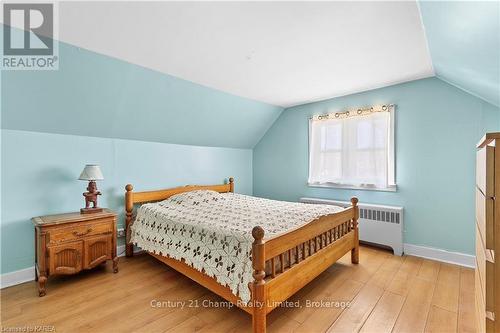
{"x": 355, "y": 112}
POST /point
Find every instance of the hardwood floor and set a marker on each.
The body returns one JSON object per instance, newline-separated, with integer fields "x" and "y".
{"x": 385, "y": 293}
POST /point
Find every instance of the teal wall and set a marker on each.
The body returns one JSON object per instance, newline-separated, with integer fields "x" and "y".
{"x": 437, "y": 128}
{"x": 40, "y": 170}
{"x": 490, "y": 119}
{"x": 143, "y": 127}
{"x": 464, "y": 42}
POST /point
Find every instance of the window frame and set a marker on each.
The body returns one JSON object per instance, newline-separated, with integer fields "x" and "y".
{"x": 391, "y": 150}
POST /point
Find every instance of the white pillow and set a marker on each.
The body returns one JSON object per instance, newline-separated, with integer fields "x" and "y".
{"x": 196, "y": 197}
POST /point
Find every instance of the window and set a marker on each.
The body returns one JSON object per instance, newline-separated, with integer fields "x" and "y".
{"x": 353, "y": 149}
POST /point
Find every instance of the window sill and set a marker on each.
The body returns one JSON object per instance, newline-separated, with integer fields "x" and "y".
{"x": 393, "y": 188}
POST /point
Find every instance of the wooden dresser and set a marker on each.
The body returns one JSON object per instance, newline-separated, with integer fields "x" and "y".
{"x": 488, "y": 233}
{"x": 68, "y": 243}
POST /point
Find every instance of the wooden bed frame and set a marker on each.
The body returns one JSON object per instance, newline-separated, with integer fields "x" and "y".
{"x": 294, "y": 259}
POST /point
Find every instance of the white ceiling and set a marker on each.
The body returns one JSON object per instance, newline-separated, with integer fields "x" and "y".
{"x": 282, "y": 53}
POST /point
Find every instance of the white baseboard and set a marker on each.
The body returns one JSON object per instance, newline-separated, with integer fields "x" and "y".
{"x": 17, "y": 277}
{"x": 28, "y": 274}
{"x": 450, "y": 257}
{"x": 457, "y": 258}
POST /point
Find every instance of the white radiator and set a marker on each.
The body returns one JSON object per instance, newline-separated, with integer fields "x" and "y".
{"x": 382, "y": 225}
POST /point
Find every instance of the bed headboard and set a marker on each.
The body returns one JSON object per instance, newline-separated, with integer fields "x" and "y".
{"x": 132, "y": 198}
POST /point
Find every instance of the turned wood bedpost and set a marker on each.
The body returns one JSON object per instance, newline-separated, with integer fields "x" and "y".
{"x": 129, "y": 207}
{"x": 258, "y": 285}
{"x": 231, "y": 184}
{"x": 355, "y": 250}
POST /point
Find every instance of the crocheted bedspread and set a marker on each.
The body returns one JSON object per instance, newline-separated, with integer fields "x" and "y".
{"x": 212, "y": 231}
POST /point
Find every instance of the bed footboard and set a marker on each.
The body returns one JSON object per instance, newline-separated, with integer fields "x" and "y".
{"x": 297, "y": 257}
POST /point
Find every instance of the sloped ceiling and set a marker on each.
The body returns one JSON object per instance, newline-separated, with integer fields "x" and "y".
{"x": 281, "y": 53}
{"x": 115, "y": 77}
{"x": 95, "y": 95}
{"x": 464, "y": 42}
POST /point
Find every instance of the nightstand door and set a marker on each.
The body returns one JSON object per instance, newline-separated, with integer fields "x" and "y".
{"x": 66, "y": 258}
{"x": 97, "y": 249}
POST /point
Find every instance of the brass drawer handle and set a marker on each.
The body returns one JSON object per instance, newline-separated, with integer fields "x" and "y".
{"x": 80, "y": 234}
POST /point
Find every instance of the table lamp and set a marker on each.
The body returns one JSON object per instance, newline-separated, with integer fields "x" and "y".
{"x": 91, "y": 172}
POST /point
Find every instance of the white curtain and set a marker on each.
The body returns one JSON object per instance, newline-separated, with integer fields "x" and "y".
{"x": 352, "y": 151}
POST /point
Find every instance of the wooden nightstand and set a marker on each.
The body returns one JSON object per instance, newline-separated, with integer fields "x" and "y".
{"x": 69, "y": 243}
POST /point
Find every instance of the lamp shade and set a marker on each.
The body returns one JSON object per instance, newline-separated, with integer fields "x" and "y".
{"x": 91, "y": 172}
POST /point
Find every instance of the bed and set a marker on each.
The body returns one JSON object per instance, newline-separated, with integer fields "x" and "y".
{"x": 253, "y": 252}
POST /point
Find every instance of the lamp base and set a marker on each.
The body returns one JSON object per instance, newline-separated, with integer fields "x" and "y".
{"x": 90, "y": 210}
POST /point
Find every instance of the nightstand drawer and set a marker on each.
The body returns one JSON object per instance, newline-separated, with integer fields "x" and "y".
{"x": 68, "y": 234}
